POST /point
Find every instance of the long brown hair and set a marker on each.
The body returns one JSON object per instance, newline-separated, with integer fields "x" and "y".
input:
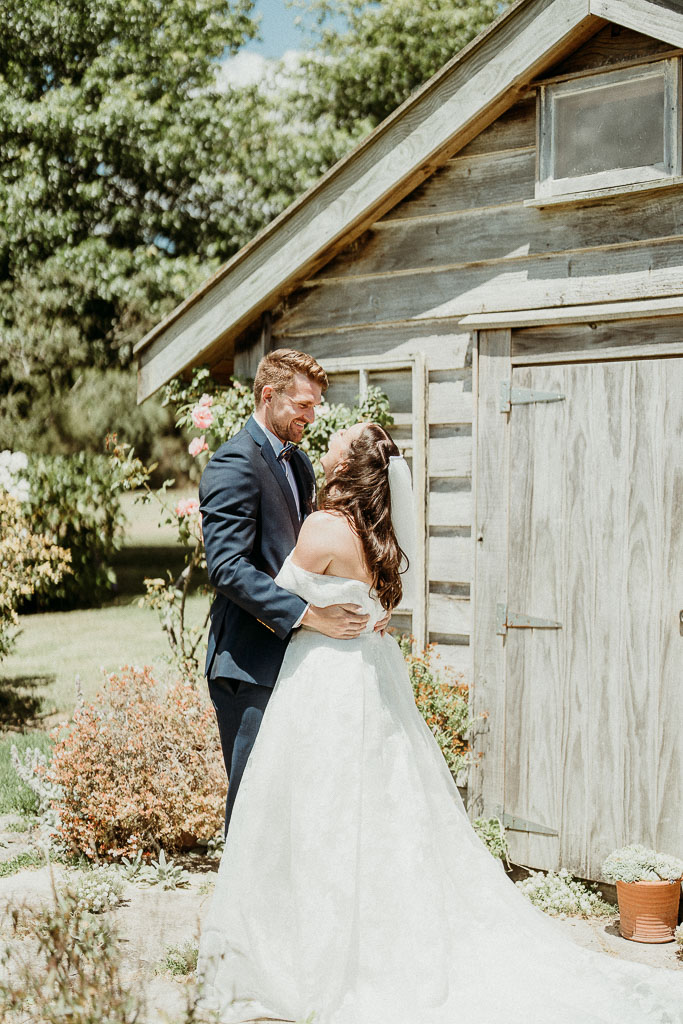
{"x": 361, "y": 493}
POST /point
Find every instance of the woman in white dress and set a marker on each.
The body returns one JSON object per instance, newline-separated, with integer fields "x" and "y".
{"x": 352, "y": 888}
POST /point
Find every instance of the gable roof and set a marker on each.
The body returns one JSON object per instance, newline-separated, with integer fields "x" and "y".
{"x": 463, "y": 98}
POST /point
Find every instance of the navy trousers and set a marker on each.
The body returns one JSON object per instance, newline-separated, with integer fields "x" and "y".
{"x": 239, "y": 710}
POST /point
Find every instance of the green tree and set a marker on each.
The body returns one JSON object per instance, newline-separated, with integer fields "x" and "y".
{"x": 114, "y": 145}
{"x": 363, "y": 59}
{"x": 369, "y": 57}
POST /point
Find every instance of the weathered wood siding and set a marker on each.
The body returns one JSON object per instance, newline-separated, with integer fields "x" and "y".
{"x": 464, "y": 242}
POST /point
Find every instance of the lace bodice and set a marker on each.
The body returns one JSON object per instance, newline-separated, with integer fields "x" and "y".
{"x": 322, "y": 590}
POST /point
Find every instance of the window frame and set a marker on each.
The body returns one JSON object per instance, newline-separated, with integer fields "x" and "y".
{"x": 548, "y": 186}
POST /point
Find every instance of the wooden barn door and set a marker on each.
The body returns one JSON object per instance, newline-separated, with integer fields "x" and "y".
{"x": 588, "y": 617}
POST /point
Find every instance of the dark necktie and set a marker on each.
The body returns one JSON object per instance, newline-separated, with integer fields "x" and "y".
{"x": 287, "y": 452}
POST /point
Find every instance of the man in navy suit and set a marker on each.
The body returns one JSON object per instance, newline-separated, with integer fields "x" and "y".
{"x": 254, "y": 494}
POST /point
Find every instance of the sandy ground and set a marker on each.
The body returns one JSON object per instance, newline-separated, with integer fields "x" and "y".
{"x": 150, "y": 919}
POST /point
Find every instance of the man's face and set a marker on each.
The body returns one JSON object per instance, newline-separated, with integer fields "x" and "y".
{"x": 287, "y": 413}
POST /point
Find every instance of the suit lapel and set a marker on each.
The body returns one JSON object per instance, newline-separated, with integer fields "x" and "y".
{"x": 270, "y": 458}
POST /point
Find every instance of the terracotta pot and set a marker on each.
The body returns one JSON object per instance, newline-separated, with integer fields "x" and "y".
{"x": 648, "y": 911}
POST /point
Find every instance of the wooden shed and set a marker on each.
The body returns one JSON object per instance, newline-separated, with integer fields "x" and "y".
{"x": 504, "y": 256}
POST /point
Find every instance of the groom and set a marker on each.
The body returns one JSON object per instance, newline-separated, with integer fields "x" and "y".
{"x": 254, "y": 494}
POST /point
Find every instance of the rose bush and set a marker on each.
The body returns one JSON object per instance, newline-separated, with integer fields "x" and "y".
{"x": 139, "y": 768}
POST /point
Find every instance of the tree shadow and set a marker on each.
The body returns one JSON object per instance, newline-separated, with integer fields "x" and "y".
{"x": 20, "y": 705}
{"x": 133, "y": 564}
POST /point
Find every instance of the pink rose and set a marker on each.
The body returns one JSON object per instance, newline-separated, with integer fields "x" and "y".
{"x": 197, "y": 445}
{"x": 206, "y": 400}
{"x": 202, "y": 417}
{"x": 187, "y": 507}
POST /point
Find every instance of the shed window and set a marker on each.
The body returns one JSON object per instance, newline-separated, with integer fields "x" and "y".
{"x": 614, "y": 128}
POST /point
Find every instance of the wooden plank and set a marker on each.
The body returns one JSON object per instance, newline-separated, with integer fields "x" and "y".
{"x": 669, "y": 431}
{"x": 612, "y": 45}
{"x": 514, "y": 129}
{"x": 450, "y": 450}
{"x": 440, "y": 341}
{"x": 457, "y": 658}
{"x": 450, "y": 401}
{"x": 613, "y": 339}
{"x": 535, "y": 712}
{"x": 420, "y": 471}
{"x": 461, "y": 100}
{"x": 659, "y": 20}
{"x": 449, "y": 614}
{"x": 487, "y": 780}
{"x": 450, "y": 559}
{"x": 634, "y": 351}
{"x": 510, "y": 232}
{"x": 645, "y": 581}
{"x": 465, "y": 183}
{"x": 580, "y": 314}
{"x": 601, "y": 275}
{"x": 450, "y": 505}
{"x": 397, "y": 386}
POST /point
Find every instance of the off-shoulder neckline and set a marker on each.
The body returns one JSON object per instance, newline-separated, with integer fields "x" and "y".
{"x": 328, "y": 575}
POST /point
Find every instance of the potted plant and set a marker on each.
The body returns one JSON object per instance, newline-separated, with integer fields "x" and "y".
{"x": 648, "y": 891}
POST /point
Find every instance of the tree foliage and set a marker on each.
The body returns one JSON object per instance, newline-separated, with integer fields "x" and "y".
{"x": 114, "y": 142}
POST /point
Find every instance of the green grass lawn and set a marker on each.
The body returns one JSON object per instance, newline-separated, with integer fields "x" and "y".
{"x": 55, "y": 647}
{"x": 14, "y": 794}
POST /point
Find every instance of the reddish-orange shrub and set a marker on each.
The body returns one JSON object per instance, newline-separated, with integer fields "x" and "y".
{"x": 139, "y": 768}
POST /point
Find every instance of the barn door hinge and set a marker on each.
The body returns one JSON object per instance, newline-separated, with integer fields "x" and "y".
{"x": 510, "y": 396}
{"x": 516, "y": 620}
{"x": 522, "y": 825}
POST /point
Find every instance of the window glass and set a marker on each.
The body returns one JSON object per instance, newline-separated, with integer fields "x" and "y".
{"x": 613, "y": 126}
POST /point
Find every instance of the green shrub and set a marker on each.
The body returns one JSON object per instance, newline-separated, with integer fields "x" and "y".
{"x": 15, "y": 795}
{"x": 491, "y": 831}
{"x": 28, "y": 859}
{"x": 180, "y": 960}
{"x": 72, "y": 498}
{"x": 442, "y": 699}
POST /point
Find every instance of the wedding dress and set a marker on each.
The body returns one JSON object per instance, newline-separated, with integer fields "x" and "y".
{"x": 352, "y": 888}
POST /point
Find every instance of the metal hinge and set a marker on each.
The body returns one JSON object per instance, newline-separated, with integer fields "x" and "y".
{"x": 504, "y": 618}
{"x": 522, "y": 825}
{"x": 510, "y": 396}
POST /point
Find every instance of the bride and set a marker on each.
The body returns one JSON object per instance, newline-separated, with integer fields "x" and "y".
{"x": 352, "y": 888}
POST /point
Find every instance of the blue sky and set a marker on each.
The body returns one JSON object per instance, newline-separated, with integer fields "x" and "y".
{"x": 281, "y": 37}
{"x": 278, "y": 29}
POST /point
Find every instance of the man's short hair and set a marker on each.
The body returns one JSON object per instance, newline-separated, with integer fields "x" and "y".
{"x": 278, "y": 368}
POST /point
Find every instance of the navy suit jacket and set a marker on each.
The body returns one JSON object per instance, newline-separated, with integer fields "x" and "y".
{"x": 250, "y": 524}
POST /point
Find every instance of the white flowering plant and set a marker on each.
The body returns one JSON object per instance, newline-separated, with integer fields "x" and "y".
{"x": 100, "y": 889}
{"x": 560, "y": 895}
{"x": 637, "y": 863}
{"x": 678, "y": 936}
{"x": 13, "y": 466}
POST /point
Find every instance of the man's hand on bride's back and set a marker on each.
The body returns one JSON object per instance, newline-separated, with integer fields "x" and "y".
{"x": 341, "y": 621}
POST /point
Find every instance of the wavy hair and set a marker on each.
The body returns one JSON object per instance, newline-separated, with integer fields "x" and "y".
{"x": 361, "y": 494}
